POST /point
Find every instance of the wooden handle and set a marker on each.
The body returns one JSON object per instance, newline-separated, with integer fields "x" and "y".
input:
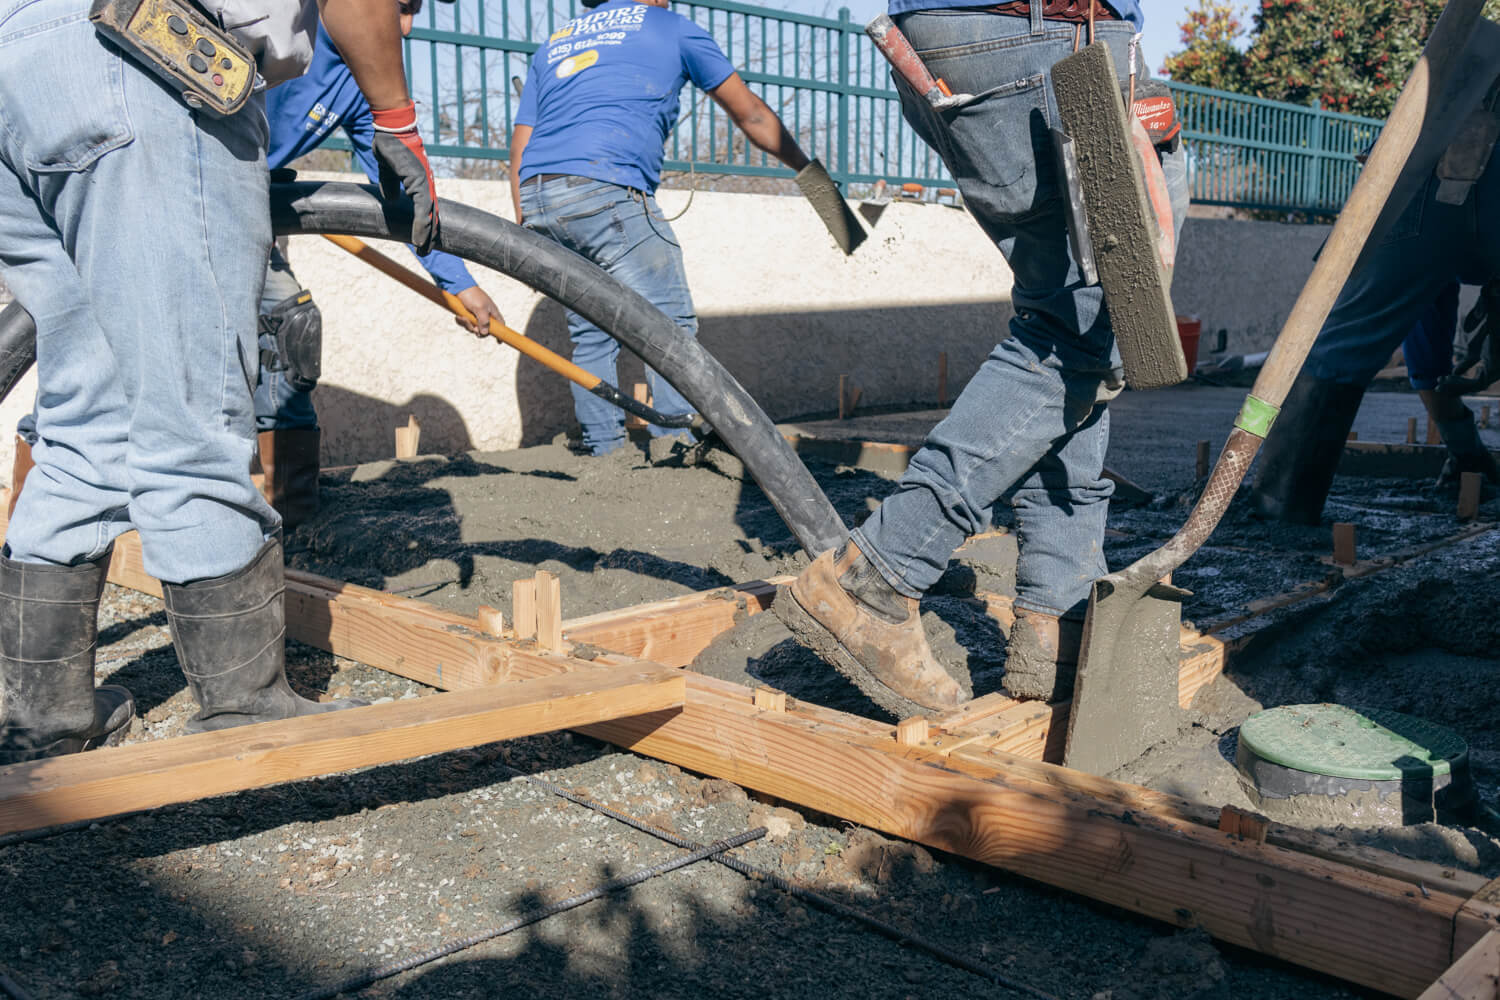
{"x": 1426, "y": 83}
{"x": 450, "y": 302}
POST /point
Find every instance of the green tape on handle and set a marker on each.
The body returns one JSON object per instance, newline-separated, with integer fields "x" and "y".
{"x": 1256, "y": 417}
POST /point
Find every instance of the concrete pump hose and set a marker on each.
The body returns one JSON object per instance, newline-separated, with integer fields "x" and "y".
{"x": 316, "y": 208}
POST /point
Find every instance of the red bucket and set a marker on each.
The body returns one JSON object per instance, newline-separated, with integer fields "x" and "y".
{"x": 1188, "y": 329}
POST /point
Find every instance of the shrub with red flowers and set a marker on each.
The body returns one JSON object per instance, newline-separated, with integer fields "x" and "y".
{"x": 1343, "y": 55}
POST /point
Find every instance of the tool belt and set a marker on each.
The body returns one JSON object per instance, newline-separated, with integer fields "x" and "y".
{"x": 1072, "y": 11}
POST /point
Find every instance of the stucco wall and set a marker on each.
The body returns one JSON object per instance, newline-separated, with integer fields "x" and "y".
{"x": 780, "y": 306}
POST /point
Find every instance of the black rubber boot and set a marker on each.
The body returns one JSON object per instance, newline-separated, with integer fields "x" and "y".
{"x": 1466, "y": 452}
{"x": 1299, "y": 458}
{"x": 230, "y": 636}
{"x": 49, "y": 624}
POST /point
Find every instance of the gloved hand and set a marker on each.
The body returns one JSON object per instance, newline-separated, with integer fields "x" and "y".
{"x": 1479, "y": 366}
{"x": 403, "y": 164}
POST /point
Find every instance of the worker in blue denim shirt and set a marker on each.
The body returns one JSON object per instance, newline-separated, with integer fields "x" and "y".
{"x": 585, "y": 160}
{"x": 302, "y": 114}
{"x": 1031, "y": 427}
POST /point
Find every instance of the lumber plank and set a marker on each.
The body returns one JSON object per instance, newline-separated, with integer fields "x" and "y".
{"x": 1305, "y": 910}
{"x": 1475, "y": 976}
{"x": 674, "y": 631}
{"x": 154, "y": 773}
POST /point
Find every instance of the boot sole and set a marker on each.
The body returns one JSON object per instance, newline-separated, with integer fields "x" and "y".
{"x": 811, "y": 633}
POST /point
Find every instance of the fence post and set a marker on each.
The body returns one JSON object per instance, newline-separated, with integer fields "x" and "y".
{"x": 841, "y": 168}
{"x": 1314, "y": 179}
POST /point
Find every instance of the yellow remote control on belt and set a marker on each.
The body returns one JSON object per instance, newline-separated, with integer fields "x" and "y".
{"x": 212, "y": 71}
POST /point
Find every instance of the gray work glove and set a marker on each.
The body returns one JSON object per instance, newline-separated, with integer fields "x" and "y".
{"x": 824, "y": 196}
{"x": 1479, "y": 365}
{"x": 403, "y": 165}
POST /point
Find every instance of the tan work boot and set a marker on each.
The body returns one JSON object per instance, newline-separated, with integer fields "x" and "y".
{"x": 289, "y": 463}
{"x": 1042, "y": 655}
{"x": 843, "y": 609}
{"x": 18, "y": 470}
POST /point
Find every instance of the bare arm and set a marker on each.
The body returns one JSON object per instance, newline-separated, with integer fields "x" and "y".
{"x": 368, "y": 36}
{"x": 519, "y": 137}
{"x": 759, "y": 123}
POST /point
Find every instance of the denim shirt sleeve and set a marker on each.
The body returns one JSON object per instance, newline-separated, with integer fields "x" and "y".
{"x": 447, "y": 270}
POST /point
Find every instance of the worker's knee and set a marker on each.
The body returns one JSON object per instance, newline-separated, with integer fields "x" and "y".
{"x": 292, "y": 340}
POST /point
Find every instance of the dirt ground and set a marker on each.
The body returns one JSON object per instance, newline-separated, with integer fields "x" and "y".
{"x": 285, "y": 890}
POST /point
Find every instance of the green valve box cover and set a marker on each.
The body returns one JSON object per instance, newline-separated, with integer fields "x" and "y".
{"x": 1373, "y": 744}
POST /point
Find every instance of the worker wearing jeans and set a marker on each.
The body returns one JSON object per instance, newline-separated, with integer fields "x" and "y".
{"x": 623, "y": 231}
{"x": 134, "y": 230}
{"x": 585, "y": 158}
{"x": 1450, "y": 228}
{"x": 1031, "y": 427}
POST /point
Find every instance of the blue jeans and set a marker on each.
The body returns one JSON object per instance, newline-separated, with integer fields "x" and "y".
{"x": 1031, "y": 427}
{"x": 1428, "y": 347}
{"x": 1429, "y": 245}
{"x": 278, "y": 404}
{"x": 135, "y": 233}
{"x": 623, "y": 232}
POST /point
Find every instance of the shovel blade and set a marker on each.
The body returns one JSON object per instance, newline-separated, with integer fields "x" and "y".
{"x": 1125, "y": 692}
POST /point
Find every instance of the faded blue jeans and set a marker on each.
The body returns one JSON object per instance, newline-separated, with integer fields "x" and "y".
{"x": 135, "y": 233}
{"x": 1031, "y": 427}
{"x": 622, "y": 231}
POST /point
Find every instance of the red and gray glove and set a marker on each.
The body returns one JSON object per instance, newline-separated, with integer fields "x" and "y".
{"x": 403, "y": 164}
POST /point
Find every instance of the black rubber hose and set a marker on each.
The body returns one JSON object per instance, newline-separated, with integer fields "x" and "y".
{"x": 314, "y": 208}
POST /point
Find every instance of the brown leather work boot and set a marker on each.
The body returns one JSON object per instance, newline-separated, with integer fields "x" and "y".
{"x": 18, "y": 470}
{"x": 1042, "y": 655}
{"x": 843, "y": 609}
{"x": 289, "y": 462}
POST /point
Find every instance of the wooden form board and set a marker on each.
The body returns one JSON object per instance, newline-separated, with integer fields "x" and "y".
{"x": 154, "y": 773}
{"x": 1300, "y": 896}
{"x": 1475, "y": 976}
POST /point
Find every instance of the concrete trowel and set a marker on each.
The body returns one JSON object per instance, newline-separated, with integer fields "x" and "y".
{"x": 1125, "y": 694}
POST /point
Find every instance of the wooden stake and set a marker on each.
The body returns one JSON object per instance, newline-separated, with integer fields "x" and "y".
{"x": 1411, "y": 430}
{"x": 1468, "y": 495}
{"x": 1245, "y": 825}
{"x": 1484, "y": 415}
{"x": 1433, "y": 435}
{"x": 942, "y": 379}
{"x": 912, "y": 732}
{"x": 1354, "y": 435}
{"x": 843, "y": 411}
{"x": 1343, "y": 544}
{"x": 642, "y": 394}
{"x": 490, "y": 620}
{"x": 523, "y": 608}
{"x": 548, "y": 611}
{"x": 770, "y": 699}
{"x": 408, "y": 438}
{"x": 157, "y": 772}
{"x": 1202, "y": 459}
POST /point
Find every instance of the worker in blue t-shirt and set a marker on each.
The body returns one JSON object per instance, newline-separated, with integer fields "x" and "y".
{"x": 302, "y": 113}
{"x": 585, "y": 161}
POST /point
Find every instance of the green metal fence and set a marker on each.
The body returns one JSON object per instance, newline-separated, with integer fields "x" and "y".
{"x": 830, "y": 85}
{"x": 1253, "y": 153}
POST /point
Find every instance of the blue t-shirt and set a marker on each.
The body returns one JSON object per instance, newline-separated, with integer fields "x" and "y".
{"x": 1130, "y": 10}
{"x": 302, "y": 113}
{"x": 603, "y": 92}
